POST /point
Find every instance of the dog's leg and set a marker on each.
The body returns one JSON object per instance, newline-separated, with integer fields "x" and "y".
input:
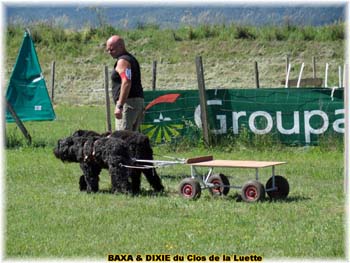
{"x": 119, "y": 179}
{"x": 82, "y": 183}
{"x": 153, "y": 179}
{"x": 135, "y": 175}
{"x": 91, "y": 175}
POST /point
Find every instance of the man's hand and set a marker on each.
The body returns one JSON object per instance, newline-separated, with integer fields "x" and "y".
{"x": 118, "y": 113}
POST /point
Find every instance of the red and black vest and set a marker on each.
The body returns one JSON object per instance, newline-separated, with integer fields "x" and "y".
{"x": 136, "y": 90}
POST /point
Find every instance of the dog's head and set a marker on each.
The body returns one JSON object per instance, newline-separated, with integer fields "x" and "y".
{"x": 68, "y": 149}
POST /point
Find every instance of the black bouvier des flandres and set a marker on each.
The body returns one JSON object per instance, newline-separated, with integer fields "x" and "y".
{"x": 94, "y": 153}
{"x": 140, "y": 148}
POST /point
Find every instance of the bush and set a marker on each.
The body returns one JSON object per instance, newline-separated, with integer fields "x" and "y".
{"x": 243, "y": 32}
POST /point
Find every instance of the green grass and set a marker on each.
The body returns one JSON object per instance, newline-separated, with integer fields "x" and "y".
{"x": 47, "y": 217}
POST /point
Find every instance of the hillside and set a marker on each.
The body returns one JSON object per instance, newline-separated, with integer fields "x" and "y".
{"x": 228, "y": 53}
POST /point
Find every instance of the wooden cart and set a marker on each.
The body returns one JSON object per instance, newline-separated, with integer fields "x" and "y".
{"x": 276, "y": 187}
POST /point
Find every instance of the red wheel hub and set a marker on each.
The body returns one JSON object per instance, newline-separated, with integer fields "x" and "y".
{"x": 217, "y": 184}
{"x": 251, "y": 193}
{"x": 187, "y": 190}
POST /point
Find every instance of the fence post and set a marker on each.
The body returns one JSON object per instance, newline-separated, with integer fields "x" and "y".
{"x": 154, "y": 75}
{"x": 314, "y": 66}
{"x": 53, "y": 71}
{"x": 108, "y": 107}
{"x": 256, "y": 75}
{"x": 287, "y": 64}
{"x": 202, "y": 99}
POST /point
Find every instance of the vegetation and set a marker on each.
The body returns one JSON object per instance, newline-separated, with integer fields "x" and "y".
{"x": 228, "y": 52}
{"x": 47, "y": 217}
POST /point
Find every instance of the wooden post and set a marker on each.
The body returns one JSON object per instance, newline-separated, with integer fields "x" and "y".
{"x": 154, "y": 75}
{"x": 108, "y": 106}
{"x": 326, "y": 76}
{"x": 19, "y": 122}
{"x": 256, "y": 75}
{"x": 202, "y": 99}
{"x": 344, "y": 74}
{"x": 287, "y": 64}
{"x": 314, "y": 66}
{"x": 53, "y": 70}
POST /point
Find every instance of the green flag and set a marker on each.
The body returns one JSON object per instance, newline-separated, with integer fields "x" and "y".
{"x": 27, "y": 92}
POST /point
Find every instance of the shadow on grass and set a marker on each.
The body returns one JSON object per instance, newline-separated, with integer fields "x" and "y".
{"x": 143, "y": 193}
{"x": 238, "y": 198}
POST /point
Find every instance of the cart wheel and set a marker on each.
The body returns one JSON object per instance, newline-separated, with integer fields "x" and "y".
{"x": 189, "y": 188}
{"x": 253, "y": 191}
{"x": 282, "y": 185}
{"x": 220, "y": 180}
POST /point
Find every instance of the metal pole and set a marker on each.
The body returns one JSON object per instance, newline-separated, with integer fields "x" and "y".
{"x": 300, "y": 74}
{"x": 19, "y": 122}
{"x": 326, "y": 77}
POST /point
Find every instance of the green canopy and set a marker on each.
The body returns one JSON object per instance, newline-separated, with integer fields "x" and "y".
{"x": 27, "y": 92}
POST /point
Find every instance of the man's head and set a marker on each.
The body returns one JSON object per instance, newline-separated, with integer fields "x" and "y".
{"x": 115, "y": 46}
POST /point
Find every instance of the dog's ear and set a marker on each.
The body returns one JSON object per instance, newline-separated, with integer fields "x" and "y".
{"x": 78, "y": 133}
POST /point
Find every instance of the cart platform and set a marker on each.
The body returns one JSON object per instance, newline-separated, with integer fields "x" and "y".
{"x": 236, "y": 164}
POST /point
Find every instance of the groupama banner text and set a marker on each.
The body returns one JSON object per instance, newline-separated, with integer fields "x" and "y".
{"x": 294, "y": 115}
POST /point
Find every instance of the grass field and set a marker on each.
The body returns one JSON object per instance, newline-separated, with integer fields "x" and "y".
{"x": 47, "y": 217}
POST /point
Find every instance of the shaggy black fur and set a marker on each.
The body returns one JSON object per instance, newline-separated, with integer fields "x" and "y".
{"x": 94, "y": 153}
{"x": 138, "y": 145}
{"x": 140, "y": 148}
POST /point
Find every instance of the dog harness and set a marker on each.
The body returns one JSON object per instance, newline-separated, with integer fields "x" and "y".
{"x": 89, "y": 155}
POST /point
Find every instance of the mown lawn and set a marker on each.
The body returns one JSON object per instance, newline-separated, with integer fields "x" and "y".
{"x": 47, "y": 217}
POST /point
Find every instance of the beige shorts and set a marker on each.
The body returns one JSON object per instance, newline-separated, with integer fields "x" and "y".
{"x": 132, "y": 115}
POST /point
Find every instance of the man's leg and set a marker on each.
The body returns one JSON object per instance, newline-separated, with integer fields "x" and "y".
{"x": 132, "y": 115}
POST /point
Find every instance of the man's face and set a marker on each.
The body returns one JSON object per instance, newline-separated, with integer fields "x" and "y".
{"x": 112, "y": 49}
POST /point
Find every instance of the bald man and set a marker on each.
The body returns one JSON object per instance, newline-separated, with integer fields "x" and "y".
{"x": 127, "y": 89}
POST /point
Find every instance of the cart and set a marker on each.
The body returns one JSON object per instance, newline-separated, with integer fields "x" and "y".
{"x": 276, "y": 187}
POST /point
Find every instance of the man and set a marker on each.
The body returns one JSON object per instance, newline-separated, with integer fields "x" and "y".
{"x": 127, "y": 89}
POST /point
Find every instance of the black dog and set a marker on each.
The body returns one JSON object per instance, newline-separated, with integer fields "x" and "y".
{"x": 94, "y": 153}
{"x": 140, "y": 148}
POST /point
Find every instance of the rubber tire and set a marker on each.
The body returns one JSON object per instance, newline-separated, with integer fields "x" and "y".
{"x": 253, "y": 191}
{"x": 220, "y": 179}
{"x": 190, "y": 188}
{"x": 282, "y": 187}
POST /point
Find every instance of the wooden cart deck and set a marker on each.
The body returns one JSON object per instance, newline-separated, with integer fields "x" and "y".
{"x": 237, "y": 164}
{"x": 207, "y": 161}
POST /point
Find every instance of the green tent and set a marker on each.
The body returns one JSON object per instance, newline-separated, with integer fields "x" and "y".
{"x": 27, "y": 92}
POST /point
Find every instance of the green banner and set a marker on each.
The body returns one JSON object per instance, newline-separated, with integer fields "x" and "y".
{"x": 27, "y": 92}
{"x": 295, "y": 115}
